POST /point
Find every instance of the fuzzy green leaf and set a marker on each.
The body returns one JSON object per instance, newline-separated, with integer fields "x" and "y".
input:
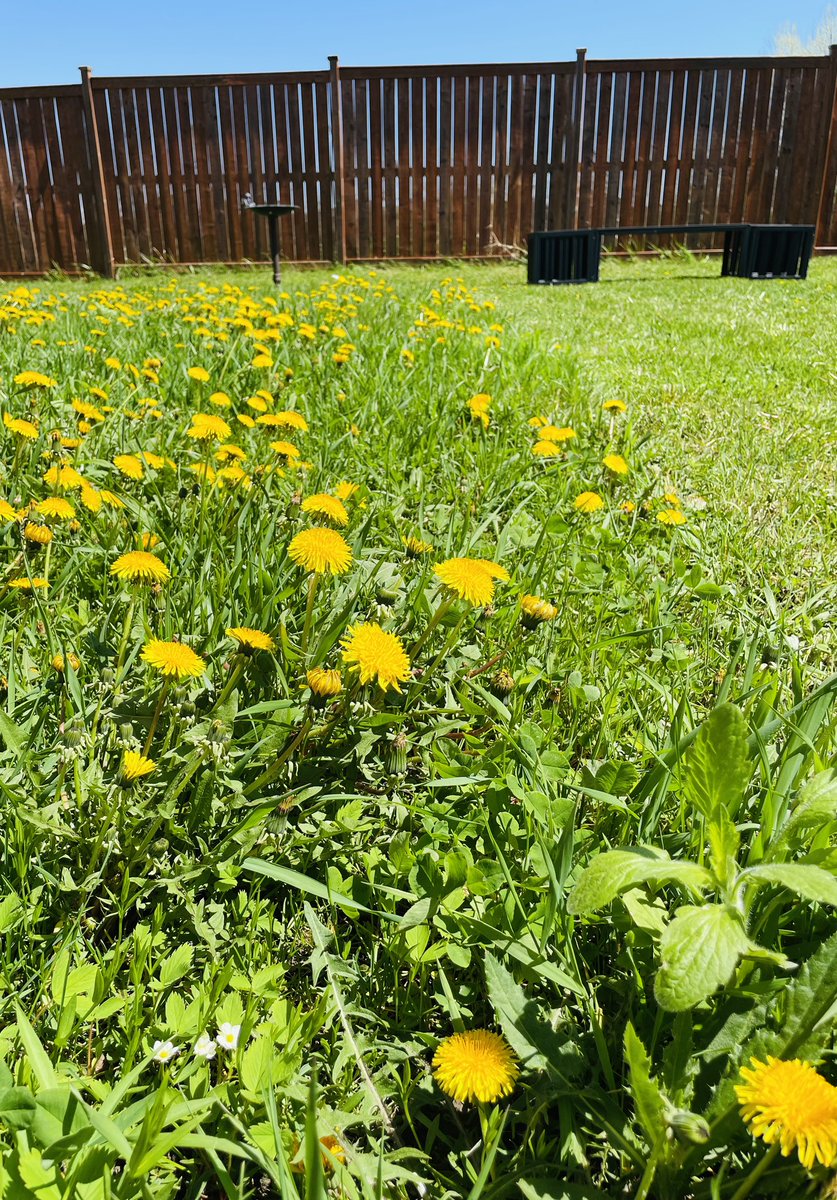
{"x": 700, "y": 950}
{"x": 716, "y": 768}
{"x": 17, "y": 1107}
{"x": 617, "y": 870}
{"x": 812, "y": 882}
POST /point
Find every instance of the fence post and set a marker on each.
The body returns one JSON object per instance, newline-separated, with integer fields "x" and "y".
{"x": 104, "y": 242}
{"x": 337, "y": 147}
{"x": 574, "y": 143}
{"x": 829, "y": 164}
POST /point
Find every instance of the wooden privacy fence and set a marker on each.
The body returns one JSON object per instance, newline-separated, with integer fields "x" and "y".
{"x": 409, "y": 162}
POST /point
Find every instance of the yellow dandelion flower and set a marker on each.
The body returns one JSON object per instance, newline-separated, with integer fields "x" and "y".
{"x": 220, "y": 400}
{"x": 234, "y": 474}
{"x": 198, "y": 373}
{"x": 25, "y": 585}
{"x": 206, "y": 426}
{"x": 589, "y": 502}
{"x": 291, "y": 419}
{"x": 115, "y": 364}
{"x": 229, "y": 450}
{"x": 615, "y": 406}
{"x": 7, "y": 513}
{"x": 173, "y": 658}
{"x": 327, "y": 506}
{"x": 258, "y": 404}
{"x": 155, "y": 461}
{"x": 89, "y": 411}
{"x": 476, "y": 1065}
{"x": 91, "y": 499}
{"x": 251, "y": 639}
{"x": 149, "y": 541}
{"x": 320, "y": 550}
{"x": 111, "y": 499}
{"x": 20, "y": 427}
{"x": 478, "y": 407}
{"x": 536, "y": 610}
{"x": 547, "y": 449}
{"x": 345, "y": 490}
{"x": 415, "y": 547}
{"x": 136, "y": 766}
{"x": 246, "y": 420}
{"x": 673, "y": 499}
{"x": 129, "y": 466}
{"x": 470, "y": 579}
{"x": 138, "y": 566}
{"x": 538, "y": 422}
{"x": 203, "y": 471}
{"x": 324, "y": 683}
{"x": 40, "y": 534}
{"x": 32, "y": 379}
{"x": 56, "y": 508}
{"x": 790, "y": 1103}
{"x": 64, "y": 476}
{"x": 100, "y": 394}
{"x": 262, "y": 360}
{"x": 377, "y": 654}
{"x": 556, "y": 433}
{"x": 286, "y": 449}
{"x": 615, "y": 463}
{"x": 671, "y": 516}
{"x": 58, "y": 664}
{"x": 628, "y": 507}
{"x": 69, "y": 443}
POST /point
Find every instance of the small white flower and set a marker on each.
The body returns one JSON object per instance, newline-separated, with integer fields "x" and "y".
{"x": 792, "y": 641}
{"x": 227, "y": 1036}
{"x": 205, "y": 1047}
{"x": 165, "y": 1051}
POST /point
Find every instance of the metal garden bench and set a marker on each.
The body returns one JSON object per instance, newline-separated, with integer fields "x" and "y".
{"x": 750, "y": 251}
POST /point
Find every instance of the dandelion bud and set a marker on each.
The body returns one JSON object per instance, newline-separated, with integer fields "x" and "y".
{"x": 397, "y": 754}
{"x": 187, "y": 708}
{"x": 126, "y": 731}
{"x": 73, "y": 737}
{"x": 386, "y": 596}
{"x": 687, "y": 1127}
{"x": 502, "y": 684}
{"x": 108, "y": 676}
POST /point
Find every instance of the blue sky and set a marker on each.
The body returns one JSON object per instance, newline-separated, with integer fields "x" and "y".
{"x": 46, "y": 42}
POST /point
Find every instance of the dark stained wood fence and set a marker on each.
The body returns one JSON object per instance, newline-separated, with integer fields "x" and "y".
{"x": 409, "y": 162}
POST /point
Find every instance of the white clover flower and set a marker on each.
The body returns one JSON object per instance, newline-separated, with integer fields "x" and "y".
{"x": 205, "y": 1047}
{"x": 227, "y": 1036}
{"x": 165, "y": 1051}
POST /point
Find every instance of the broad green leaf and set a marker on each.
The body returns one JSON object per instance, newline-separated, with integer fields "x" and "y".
{"x": 815, "y": 805}
{"x": 12, "y": 735}
{"x": 617, "y": 778}
{"x": 39, "y": 1061}
{"x": 555, "y": 1189}
{"x": 812, "y": 882}
{"x": 531, "y": 1037}
{"x": 256, "y": 1063}
{"x": 716, "y": 768}
{"x": 17, "y": 1107}
{"x": 176, "y": 964}
{"x": 617, "y": 870}
{"x": 649, "y": 1101}
{"x": 11, "y": 907}
{"x": 700, "y": 950}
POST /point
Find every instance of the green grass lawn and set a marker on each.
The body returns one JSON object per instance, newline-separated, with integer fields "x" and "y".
{"x": 470, "y": 669}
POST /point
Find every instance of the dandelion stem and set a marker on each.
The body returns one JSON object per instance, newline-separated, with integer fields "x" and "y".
{"x": 160, "y": 702}
{"x": 235, "y": 675}
{"x": 440, "y": 612}
{"x": 275, "y": 767}
{"x": 745, "y": 1188}
{"x": 309, "y": 610}
{"x": 126, "y": 633}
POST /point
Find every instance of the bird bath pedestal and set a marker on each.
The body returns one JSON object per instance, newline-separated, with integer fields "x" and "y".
{"x": 272, "y": 212}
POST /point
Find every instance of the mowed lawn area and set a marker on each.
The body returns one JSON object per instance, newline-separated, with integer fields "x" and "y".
{"x": 417, "y": 736}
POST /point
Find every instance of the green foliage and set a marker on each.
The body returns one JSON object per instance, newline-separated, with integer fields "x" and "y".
{"x": 609, "y": 835}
